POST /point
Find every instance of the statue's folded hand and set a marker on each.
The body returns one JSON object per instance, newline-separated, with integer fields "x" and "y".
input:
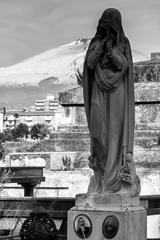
{"x": 94, "y": 53}
{"x": 99, "y": 45}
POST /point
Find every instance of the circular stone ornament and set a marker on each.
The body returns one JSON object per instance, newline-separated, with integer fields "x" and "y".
{"x": 110, "y": 226}
{"x": 82, "y": 226}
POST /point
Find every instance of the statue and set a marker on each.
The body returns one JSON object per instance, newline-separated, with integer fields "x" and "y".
{"x": 112, "y": 203}
{"x": 109, "y": 103}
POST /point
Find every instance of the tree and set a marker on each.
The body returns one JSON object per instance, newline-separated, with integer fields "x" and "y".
{"x": 39, "y": 131}
{"x": 20, "y": 131}
{"x": 7, "y": 135}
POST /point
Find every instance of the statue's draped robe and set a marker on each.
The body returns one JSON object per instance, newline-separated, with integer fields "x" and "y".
{"x": 109, "y": 103}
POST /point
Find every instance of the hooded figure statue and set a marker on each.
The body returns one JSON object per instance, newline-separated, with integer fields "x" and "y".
{"x": 109, "y": 103}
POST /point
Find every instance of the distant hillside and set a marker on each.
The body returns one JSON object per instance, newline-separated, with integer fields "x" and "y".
{"x": 49, "y": 72}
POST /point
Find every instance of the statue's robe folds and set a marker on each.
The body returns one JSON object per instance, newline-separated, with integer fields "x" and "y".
{"x": 109, "y": 103}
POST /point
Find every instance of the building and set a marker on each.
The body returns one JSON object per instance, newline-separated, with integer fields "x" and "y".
{"x": 46, "y": 111}
{"x": 2, "y": 117}
{"x": 30, "y": 118}
{"x": 42, "y": 117}
{"x": 40, "y": 105}
{"x": 155, "y": 55}
{"x": 50, "y": 118}
{"x": 10, "y": 120}
{"x": 48, "y": 104}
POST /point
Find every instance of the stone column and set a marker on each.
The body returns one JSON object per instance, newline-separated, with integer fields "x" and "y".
{"x": 118, "y": 217}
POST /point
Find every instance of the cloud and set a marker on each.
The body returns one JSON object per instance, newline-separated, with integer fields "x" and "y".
{"x": 33, "y": 26}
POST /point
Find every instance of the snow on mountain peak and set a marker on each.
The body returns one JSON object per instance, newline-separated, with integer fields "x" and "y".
{"x": 60, "y": 63}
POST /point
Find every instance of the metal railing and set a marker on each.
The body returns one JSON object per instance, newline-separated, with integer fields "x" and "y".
{"x": 61, "y": 205}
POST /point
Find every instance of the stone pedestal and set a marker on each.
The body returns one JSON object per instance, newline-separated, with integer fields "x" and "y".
{"x": 118, "y": 220}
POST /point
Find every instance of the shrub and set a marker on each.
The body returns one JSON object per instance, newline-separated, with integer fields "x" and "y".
{"x": 39, "y": 131}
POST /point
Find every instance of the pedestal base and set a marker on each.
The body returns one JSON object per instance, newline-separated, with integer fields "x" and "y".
{"x": 117, "y": 223}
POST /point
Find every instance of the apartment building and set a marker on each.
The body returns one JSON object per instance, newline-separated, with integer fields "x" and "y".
{"x": 48, "y": 104}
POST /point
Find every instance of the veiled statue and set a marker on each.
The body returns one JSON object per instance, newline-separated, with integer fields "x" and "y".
{"x": 109, "y": 103}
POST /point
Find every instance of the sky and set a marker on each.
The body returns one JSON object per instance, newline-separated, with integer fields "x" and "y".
{"x": 30, "y": 27}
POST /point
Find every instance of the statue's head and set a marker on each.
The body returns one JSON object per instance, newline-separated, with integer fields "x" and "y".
{"x": 110, "y": 21}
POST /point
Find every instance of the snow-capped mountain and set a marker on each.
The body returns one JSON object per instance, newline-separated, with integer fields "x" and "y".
{"x": 48, "y": 72}
{"x": 60, "y": 63}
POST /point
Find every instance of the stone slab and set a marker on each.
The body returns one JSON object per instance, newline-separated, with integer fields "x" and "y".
{"x": 132, "y": 223}
{"x": 147, "y": 92}
{"x": 144, "y": 91}
{"x": 41, "y": 159}
{"x": 94, "y": 201}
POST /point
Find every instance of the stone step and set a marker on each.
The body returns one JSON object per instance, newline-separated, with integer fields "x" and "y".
{"x": 84, "y": 128}
{"x": 147, "y": 133}
{"x": 74, "y": 135}
{"x": 71, "y": 142}
{"x": 147, "y": 157}
{"x": 60, "y": 145}
{"x": 72, "y": 128}
{"x": 147, "y": 126}
{"x": 69, "y": 160}
{"x": 83, "y": 144}
{"x": 146, "y": 142}
{"x": 69, "y": 135}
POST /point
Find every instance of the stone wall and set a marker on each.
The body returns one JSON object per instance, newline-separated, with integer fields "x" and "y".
{"x": 72, "y": 139}
{"x": 78, "y": 112}
{"x": 146, "y": 76}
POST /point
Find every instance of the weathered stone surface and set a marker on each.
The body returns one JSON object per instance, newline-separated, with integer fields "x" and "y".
{"x": 73, "y": 160}
{"x": 130, "y": 221}
{"x": 155, "y": 55}
{"x": 147, "y": 158}
{"x": 147, "y": 113}
{"x": 74, "y": 115}
{"x": 70, "y": 135}
{"x": 144, "y": 91}
{"x": 147, "y": 133}
{"x": 72, "y": 96}
{"x": 146, "y": 76}
{"x": 146, "y": 143}
{"x": 147, "y": 71}
{"x": 146, "y": 118}
{"x": 101, "y": 201}
{"x": 73, "y": 128}
{"x": 147, "y": 92}
{"x": 83, "y": 143}
{"x": 80, "y": 116}
{"x": 147, "y": 126}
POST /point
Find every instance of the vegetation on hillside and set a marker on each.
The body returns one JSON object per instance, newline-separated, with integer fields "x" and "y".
{"x": 21, "y": 132}
{"x": 39, "y": 131}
